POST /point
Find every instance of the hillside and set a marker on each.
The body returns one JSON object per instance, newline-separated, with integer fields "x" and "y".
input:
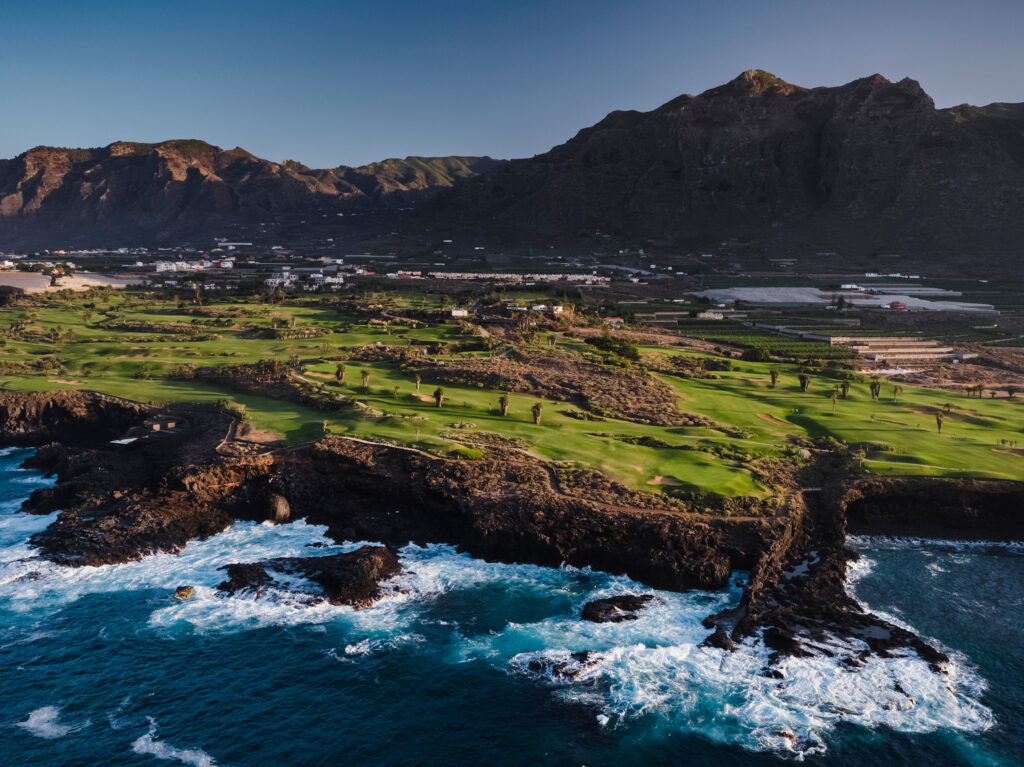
{"x": 142, "y": 193}
{"x": 871, "y": 165}
{"x": 867, "y": 167}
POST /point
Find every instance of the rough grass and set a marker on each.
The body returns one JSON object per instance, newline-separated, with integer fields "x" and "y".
{"x": 899, "y": 437}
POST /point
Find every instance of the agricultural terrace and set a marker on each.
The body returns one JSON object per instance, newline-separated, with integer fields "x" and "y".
{"x": 134, "y": 345}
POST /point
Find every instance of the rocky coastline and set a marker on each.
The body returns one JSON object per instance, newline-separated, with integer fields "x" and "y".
{"x": 134, "y": 480}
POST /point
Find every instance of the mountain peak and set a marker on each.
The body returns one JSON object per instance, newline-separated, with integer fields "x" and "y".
{"x": 754, "y": 83}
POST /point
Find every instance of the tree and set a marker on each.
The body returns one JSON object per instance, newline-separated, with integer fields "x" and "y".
{"x": 418, "y": 379}
{"x": 1011, "y": 391}
{"x": 397, "y": 392}
{"x": 939, "y": 418}
{"x": 775, "y": 376}
{"x": 339, "y": 373}
{"x": 844, "y": 387}
{"x": 503, "y": 402}
{"x": 876, "y": 388}
{"x": 835, "y": 397}
{"x": 537, "y": 410}
{"x": 439, "y": 395}
{"x": 366, "y": 378}
{"x": 897, "y": 390}
{"x": 805, "y": 382}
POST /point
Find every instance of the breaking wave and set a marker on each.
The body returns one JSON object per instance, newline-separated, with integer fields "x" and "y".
{"x": 148, "y": 744}
{"x": 650, "y": 673}
{"x": 45, "y": 723}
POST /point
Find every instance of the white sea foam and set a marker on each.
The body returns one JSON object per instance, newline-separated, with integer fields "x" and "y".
{"x": 649, "y": 670}
{"x": 45, "y": 723}
{"x": 148, "y": 744}
{"x": 886, "y": 542}
{"x": 31, "y": 583}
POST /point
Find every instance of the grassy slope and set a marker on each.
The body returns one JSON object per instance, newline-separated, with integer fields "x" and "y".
{"x": 970, "y": 432}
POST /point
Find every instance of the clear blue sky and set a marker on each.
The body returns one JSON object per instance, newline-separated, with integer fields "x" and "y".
{"x": 338, "y": 82}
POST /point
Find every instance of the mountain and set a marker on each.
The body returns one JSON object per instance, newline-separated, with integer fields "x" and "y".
{"x": 867, "y": 167}
{"x": 871, "y": 165}
{"x": 140, "y": 193}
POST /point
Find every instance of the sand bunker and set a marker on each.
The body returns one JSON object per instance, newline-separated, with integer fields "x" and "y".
{"x": 773, "y": 419}
{"x": 662, "y": 480}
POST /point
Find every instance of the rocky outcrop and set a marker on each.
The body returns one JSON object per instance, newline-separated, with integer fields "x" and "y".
{"x": 616, "y": 609}
{"x": 936, "y": 508}
{"x": 352, "y": 578}
{"x": 121, "y": 502}
{"x": 33, "y": 418}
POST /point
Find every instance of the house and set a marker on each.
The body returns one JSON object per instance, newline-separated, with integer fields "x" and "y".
{"x": 616, "y": 321}
{"x": 460, "y": 312}
{"x": 709, "y": 315}
{"x": 897, "y": 306}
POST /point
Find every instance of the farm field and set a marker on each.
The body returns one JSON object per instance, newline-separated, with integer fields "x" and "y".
{"x": 127, "y": 345}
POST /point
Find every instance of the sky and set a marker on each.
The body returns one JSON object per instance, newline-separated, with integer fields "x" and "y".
{"x": 331, "y": 83}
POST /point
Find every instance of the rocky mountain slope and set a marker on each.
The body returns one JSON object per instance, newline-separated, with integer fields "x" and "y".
{"x": 870, "y": 166}
{"x": 142, "y": 193}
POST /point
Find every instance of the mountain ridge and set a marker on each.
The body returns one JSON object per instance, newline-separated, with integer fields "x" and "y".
{"x": 870, "y": 165}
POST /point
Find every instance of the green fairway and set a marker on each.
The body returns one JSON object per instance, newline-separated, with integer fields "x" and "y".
{"x": 125, "y": 345}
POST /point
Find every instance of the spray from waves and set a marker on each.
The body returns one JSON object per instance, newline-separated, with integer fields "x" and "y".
{"x": 899, "y": 543}
{"x": 651, "y": 672}
{"x": 45, "y": 723}
{"x": 149, "y": 745}
{"x": 28, "y": 582}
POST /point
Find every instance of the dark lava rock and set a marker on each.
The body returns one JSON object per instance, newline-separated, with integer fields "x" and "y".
{"x": 351, "y": 578}
{"x": 615, "y": 609}
{"x": 721, "y": 640}
{"x": 247, "y": 575}
{"x": 184, "y": 592}
{"x": 577, "y": 663}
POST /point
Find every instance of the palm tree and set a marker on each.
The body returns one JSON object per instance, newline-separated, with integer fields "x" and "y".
{"x": 418, "y": 379}
{"x": 835, "y": 397}
{"x": 339, "y": 373}
{"x": 397, "y": 392}
{"x": 775, "y": 376}
{"x": 897, "y": 390}
{"x": 503, "y": 402}
{"x": 844, "y": 387}
{"x": 939, "y": 418}
{"x": 876, "y": 388}
{"x": 537, "y": 410}
{"x": 439, "y": 395}
{"x": 366, "y": 378}
{"x": 805, "y": 382}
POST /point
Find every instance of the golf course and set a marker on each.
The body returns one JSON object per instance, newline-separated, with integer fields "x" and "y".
{"x": 136, "y": 346}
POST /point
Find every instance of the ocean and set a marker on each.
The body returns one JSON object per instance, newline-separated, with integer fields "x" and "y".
{"x": 102, "y": 666}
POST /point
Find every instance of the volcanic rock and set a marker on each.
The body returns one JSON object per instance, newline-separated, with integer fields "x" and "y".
{"x": 351, "y": 578}
{"x": 615, "y": 609}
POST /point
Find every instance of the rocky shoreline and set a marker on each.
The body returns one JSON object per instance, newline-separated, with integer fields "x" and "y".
{"x": 168, "y": 481}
